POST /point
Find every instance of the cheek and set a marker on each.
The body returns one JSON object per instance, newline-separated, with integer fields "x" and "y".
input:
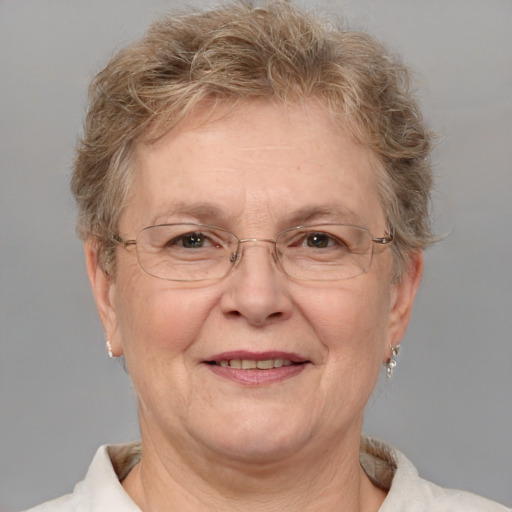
{"x": 157, "y": 322}
{"x": 351, "y": 323}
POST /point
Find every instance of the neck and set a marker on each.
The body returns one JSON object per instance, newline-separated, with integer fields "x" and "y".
{"x": 166, "y": 480}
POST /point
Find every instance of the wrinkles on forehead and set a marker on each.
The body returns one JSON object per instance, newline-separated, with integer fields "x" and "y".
{"x": 210, "y": 213}
{"x": 263, "y": 167}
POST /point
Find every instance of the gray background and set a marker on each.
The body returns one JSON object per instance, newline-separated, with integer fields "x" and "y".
{"x": 449, "y": 407}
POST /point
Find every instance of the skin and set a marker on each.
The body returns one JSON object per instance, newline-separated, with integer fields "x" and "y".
{"x": 211, "y": 442}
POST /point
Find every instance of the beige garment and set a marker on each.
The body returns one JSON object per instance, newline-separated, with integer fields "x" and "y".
{"x": 101, "y": 490}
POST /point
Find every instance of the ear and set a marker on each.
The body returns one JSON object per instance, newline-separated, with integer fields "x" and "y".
{"x": 103, "y": 287}
{"x": 402, "y": 300}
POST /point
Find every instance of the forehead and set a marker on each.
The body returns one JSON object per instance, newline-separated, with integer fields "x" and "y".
{"x": 258, "y": 163}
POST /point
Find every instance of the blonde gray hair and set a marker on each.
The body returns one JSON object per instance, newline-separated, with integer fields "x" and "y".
{"x": 238, "y": 52}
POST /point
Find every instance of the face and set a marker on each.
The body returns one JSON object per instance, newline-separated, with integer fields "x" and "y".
{"x": 256, "y": 172}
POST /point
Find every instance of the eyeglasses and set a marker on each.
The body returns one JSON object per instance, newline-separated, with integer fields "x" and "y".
{"x": 199, "y": 252}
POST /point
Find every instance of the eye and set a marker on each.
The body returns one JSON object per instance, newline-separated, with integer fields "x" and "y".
{"x": 193, "y": 240}
{"x": 306, "y": 240}
{"x": 319, "y": 240}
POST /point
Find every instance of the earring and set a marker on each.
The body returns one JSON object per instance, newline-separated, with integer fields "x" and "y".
{"x": 109, "y": 349}
{"x": 391, "y": 364}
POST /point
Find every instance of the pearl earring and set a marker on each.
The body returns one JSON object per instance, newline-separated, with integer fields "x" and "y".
{"x": 391, "y": 364}
{"x": 109, "y": 349}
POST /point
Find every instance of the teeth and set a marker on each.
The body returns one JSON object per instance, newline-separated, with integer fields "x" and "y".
{"x": 265, "y": 365}
{"x": 251, "y": 364}
{"x": 248, "y": 364}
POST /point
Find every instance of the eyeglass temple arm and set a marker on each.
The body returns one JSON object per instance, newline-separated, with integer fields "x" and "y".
{"x": 118, "y": 240}
{"x": 384, "y": 240}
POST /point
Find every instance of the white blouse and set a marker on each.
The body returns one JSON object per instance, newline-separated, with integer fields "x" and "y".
{"x": 101, "y": 490}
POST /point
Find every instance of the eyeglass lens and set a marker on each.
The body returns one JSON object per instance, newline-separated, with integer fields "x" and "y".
{"x": 195, "y": 252}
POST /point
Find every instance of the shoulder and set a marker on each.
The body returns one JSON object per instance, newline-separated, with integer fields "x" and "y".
{"x": 408, "y": 492}
{"x": 101, "y": 490}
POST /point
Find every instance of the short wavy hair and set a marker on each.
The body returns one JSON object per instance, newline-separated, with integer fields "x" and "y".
{"x": 240, "y": 52}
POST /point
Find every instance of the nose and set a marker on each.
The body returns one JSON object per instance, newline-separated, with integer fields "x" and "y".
{"x": 256, "y": 288}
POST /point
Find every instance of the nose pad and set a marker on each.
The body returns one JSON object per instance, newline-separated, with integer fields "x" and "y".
{"x": 236, "y": 257}
{"x": 255, "y": 292}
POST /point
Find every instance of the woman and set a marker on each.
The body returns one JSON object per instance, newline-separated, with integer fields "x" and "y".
{"x": 253, "y": 197}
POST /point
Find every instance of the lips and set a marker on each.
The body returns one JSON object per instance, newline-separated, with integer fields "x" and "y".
{"x": 257, "y": 368}
{"x": 252, "y": 364}
{"x": 248, "y": 360}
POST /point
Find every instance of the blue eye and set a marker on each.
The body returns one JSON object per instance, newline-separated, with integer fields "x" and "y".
{"x": 195, "y": 240}
{"x": 192, "y": 240}
{"x": 318, "y": 240}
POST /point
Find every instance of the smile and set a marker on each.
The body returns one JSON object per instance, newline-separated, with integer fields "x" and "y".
{"x": 251, "y": 364}
{"x": 257, "y": 368}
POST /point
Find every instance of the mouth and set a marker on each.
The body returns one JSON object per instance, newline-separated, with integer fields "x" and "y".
{"x": 249, "y": 368}
{"x": 255, "y": 364}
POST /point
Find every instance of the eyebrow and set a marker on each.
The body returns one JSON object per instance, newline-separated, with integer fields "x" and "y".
{"x": 200, "y": 212}
{"x": 334, "y": 212}
{"x": 210, "y": 213}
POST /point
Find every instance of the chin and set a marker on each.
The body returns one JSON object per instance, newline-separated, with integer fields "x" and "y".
{"x": 262, "y": 438}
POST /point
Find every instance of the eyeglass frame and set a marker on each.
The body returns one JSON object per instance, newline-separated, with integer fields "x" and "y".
{"x": 237, "y": 256}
